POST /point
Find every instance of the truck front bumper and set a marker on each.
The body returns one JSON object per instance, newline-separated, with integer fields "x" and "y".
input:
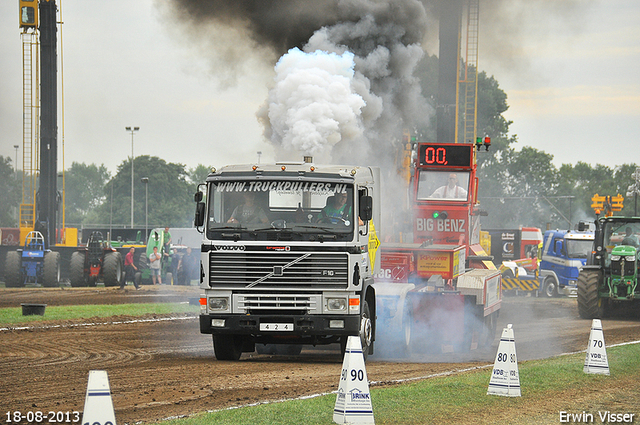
{"x": 569, "y": 290}
{"x": 264, "y": 325}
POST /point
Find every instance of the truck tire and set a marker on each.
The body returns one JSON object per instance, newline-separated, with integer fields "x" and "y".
{"x": 51, "y": 275}
{"x": 366, "y": 329}
{"x": 76, "y": 269}
{"x": 13, "y": 277}
{"x": 365, "y": 332}
{"x": 550, "y": 287}
{"x": 590, "y": 306}
{"x": 488, "y": 333}
{"x": 227, "y": 347}
{"x": 112, "y": 267}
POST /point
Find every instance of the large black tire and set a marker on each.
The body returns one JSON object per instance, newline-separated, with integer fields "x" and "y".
{"x": 590, "y": 306}
{"x": 550, "y": 289}
{"x": 76, "y": 269}
{"x": 365, "y": 333}
{"x": 227, "y": 347}
{"x": 143, "y": 262}
{"x": 51, "y": 275}
{"x": 13, "y": 277}
{"x": 112, "y": 267}
{"x": 488, "y": 334}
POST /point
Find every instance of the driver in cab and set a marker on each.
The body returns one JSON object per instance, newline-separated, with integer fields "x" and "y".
{"x": 451, "y": 190}
{"x": 336, "y": 210}
{"x": 249, "y": 212}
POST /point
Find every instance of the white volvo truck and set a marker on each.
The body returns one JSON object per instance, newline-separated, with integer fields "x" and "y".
{"x": 284, "y": 261}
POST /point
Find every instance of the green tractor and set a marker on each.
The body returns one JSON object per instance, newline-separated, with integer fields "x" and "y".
{"x": 609, "y": 280}
{"x": 143, "y": 276}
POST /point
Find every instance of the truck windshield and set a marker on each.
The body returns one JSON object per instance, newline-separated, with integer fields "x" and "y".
{"x": 579, "y": 248}
{"x": 453, "y": 186}
{"x": 279, "y": 210}
{"x": 619, "y": 232}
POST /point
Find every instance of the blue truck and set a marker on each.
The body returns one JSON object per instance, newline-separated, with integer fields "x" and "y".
{"x": 564, "y": 252}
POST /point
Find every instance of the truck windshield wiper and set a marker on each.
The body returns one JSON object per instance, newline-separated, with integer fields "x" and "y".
{"x": 215, "y": 229}
{"x": 324, "y": 229}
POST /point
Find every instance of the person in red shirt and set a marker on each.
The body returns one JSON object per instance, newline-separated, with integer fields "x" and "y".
{"x": 130, "y": 269}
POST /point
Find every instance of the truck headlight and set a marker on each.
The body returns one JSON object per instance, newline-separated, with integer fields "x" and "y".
{"x": 337, "y": 304}
{"x": 218, "y": 303}
{"x": 615, "y": 258}
{"x": 630, "y": 258}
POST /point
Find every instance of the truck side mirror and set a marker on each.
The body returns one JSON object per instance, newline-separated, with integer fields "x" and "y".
{"x": 197, "y": 196}
{"x": 199, "y": 219}
{"x": 366, "y": 208}
{"x": 558, "y": 248}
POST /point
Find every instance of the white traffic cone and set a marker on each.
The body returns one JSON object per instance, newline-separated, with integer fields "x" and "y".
{"x": 505, "y": 379}
{"x": 353, "y": 404}
{"x": 98, "y": 406}
{"x": 596, "y": 360}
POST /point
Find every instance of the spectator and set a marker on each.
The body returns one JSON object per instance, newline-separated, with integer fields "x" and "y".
{"x": 155, "y": 265}
{"x": 130, "y": 269}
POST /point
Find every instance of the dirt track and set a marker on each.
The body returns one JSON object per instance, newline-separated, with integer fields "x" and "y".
{"x": 163, "y": 368}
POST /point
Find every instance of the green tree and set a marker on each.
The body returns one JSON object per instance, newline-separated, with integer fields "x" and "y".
{"x": 170, "y": 197}
{"x": 522, "y": 182}
{"x": 11, "y": 196}
{"x": 84, "y": 190}
{"x": 198, "y": 175}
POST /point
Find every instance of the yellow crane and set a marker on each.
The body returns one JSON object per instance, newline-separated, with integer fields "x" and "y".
{"x": 32, "y": 115}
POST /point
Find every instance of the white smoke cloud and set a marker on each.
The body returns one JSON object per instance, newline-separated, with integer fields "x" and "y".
{"x": 314, "y": 104}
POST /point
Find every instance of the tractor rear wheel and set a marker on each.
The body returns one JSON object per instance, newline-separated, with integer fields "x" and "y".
{"x": 77, "y": 276}
{"x": 13, "y": 277}
{"x": 112, "y": 267}
{"x": 51, "y": 269}
{"x": 590, "y": 306}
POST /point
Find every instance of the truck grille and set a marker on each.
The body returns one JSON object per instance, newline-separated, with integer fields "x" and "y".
{"x": 278, "y": 304}
{"x": 260, "y": 270}
{"x": 623, "y": 267}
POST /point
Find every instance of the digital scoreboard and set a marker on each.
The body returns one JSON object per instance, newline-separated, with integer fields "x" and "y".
{"x": 446, "y": 154}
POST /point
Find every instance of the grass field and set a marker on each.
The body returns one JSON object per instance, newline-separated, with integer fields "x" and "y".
{"x": 548, "y": 387}
{"x": 12, "y": 316}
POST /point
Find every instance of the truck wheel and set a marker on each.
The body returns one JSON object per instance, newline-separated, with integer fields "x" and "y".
{"x": 366, "y": 329}
{"x": 76, "y": 269}
{"x": 550, "y": 287}
{"x": 227, "y": 347}
{"x": 590, "y": 306}
{"x": 51, "y": 269}
{"x": 112, "y": 269}
{"x": 365, "y": 332}
{"x": 488, "y": 333}
{"x": 13, "y": 277}
{"x": 407, "y": 344}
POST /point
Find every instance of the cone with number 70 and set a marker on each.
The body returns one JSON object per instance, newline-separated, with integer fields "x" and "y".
{"x": 596, "y": 360}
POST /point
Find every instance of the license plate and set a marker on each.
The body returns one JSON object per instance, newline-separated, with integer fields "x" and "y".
{"x": 276, "y": 327}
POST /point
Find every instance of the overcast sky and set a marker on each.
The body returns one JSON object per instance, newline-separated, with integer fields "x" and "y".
{"x": 570, "y": 80}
